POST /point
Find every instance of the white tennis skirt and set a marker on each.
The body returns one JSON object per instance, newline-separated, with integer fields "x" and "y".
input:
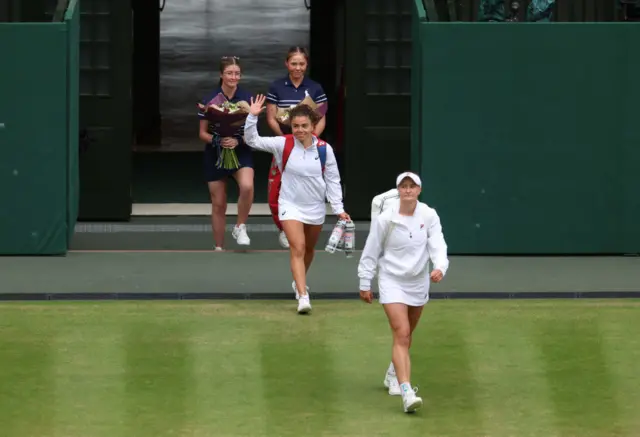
{"x": 314, "y": 215}
{"x": 411, "y": 292}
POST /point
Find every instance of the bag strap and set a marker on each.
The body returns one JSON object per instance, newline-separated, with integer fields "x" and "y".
{"x": 425, "y": 216}
{"x": 322, "y": 151}
{"x": 289, "y": 143}
{"x": 389, "y": 229}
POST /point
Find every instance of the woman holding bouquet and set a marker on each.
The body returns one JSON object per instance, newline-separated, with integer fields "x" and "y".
{"x": 226, "y": 154}
{"x": 292, "y": 89}
{"x": 289, "y": 91}
{"x": 305, "y": 186}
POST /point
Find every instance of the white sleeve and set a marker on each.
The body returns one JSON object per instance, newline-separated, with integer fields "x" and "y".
{"x": 332, "y": 180}
{"x": 371, "y": 253}
{"x": 437, "y": 245}
{"x": 274, "y": 145}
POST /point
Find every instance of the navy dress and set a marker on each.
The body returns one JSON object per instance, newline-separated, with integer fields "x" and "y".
{"x": 211, "y": 154}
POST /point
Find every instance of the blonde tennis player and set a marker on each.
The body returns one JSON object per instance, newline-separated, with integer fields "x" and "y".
{"x": 307, "y": 180}
{"x": 401, "y": 242}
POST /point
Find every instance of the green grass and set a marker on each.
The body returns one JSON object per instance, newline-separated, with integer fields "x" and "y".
{"x": 484, "y": 368}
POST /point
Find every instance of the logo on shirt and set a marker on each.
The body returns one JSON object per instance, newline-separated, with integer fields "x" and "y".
{"x": 422, "y": 226}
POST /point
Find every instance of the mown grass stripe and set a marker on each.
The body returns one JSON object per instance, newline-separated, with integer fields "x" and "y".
{"x": 577, "y": 373}
{"x": 27, "y": 379}
{"x": 158, "y": 378}
{"x": 228, "y": 397}
{"x": 443, "y": 369}
{"x": 299, "y": 386}
{"x": 88, "y": 380}
{"x": 620, "y": 333}
{"x": 512, "y": 389}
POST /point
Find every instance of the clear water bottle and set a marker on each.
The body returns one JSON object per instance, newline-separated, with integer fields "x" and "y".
{"x": 336, "y": 236}
{"x": 349, "y": 238}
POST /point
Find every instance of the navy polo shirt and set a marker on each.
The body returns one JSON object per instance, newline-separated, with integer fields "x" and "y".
{"x": 239, "y": 96}
{"x": 284, "y": 94}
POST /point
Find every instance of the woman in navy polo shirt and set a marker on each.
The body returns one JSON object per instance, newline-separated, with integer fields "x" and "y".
{"x": 230, "y": 73}
{"x": 291, "y": 90}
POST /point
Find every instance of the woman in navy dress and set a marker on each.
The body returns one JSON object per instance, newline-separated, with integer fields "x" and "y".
{"x": 230, "y": 74}
{"x": 291, "y": 90}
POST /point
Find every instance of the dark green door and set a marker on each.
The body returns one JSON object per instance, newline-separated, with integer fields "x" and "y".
{"x": 378, "y": 99}
{"x": 105, "y": 109}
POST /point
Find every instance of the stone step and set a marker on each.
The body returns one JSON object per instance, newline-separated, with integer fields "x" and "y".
{"x": 187, "y": 233}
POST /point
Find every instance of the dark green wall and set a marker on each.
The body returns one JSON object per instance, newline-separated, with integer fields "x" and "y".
{"x": 530, "y": 136}
{"x": 38, "y": 150}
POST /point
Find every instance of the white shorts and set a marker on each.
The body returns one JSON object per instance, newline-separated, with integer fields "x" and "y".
{"x": 412, "y": 292}
{"x": 309, "y": 216}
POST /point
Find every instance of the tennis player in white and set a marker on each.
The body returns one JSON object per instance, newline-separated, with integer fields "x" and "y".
{"x": 401, "y": 242}
{"x": 301, "y": 204}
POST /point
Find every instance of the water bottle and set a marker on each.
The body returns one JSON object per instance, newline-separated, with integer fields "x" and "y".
{"x": 349, "y": 238}
{"x": 336, "y": 236}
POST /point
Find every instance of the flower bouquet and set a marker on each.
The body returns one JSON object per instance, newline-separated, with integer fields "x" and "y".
{"x": 226, "y": 119}
{"x": 282, "y": 114}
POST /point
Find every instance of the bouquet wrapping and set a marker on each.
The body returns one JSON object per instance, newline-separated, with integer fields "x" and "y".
{"x": 282, "y": 114}
{"x": 226, "y": 118}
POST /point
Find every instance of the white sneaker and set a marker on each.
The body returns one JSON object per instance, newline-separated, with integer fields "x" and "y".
{"x": 304, "y": 306}
{"x": 282, "y": 238}
{"x": 240, "y": 234}
{"x": 391, "y": 382}
{"x": 295, "y": 290}
{"x": 411, "y": 402}
{"x": 218, "y": 249}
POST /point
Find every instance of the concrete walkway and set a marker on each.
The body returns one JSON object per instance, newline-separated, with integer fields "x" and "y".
{"x": 265, "y": 274}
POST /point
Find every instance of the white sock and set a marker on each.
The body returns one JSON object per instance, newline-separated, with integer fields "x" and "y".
{"x": 405, "y": 387}
{"x": 391, "y": 370}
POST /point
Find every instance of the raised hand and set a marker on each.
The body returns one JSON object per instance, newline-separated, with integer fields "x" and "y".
{"x": 257, "y": 105}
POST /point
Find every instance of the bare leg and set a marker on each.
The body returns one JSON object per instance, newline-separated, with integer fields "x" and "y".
{"x": 414, "y": 314}
{"x": 218, "y": 194}
{"x": 311, "y": 235}
{"x": 244, "y": 177}
{"x": 296, "y": 236}
{"x": 398, "y": 316}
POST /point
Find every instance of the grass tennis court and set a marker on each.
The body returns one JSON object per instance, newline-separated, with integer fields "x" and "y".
{"x": 255, "y": 368}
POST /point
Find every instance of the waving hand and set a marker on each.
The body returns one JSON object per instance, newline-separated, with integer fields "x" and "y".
{"x": 257, "y": 105}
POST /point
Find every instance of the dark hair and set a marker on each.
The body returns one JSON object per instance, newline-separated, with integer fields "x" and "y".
{"x": 305, "y": 111}
{"x": 226, "y": 61}
{"x": 298, "y": 51}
